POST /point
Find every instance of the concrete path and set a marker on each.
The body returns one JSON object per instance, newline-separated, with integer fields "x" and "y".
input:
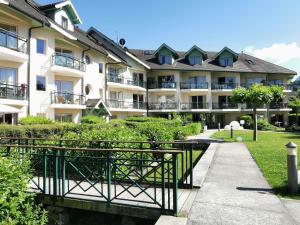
{"x": 205, "y": 135}
{"x": 235, "y": 192}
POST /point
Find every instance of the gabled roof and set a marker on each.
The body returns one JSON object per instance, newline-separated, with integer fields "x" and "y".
{"x": 69, "y": 8}
{"x": 97, "y": 104}
{"x": 195, "y": 47}
{"x": 167, "y": 47}
{"x": 226, "y": 49}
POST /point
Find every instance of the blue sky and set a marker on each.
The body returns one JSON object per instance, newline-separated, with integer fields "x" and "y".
{"x": 256, "y": 26}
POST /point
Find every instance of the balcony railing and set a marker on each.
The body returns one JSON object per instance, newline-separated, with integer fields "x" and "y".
{"x": 122, "y": 80}
{"x": 184, "y": 85}
{"x": 286, "y": 86}
{"x": 68, "y": 61}
{"x": 117, "y": 104}
{"x": 249, "y": 84}
{"x": 194, "y": 105}
{"x": 159, "y": 85}
{"x": 13, "y": 91}
{"x": 223, "y": 86}
{"x": 136, "y": 83}
{"x": 12, "y": 41}
{"x": 278, "y": 105}
{"x": 58, "y": 97}
{"x": 224, "y": 106}
{"x": 162, "y": 105}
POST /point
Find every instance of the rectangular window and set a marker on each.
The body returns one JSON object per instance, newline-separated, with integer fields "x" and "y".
{"x": 8, "y": 75}
{"x": 100, "y": 67}
{"x": 64, "y": 22}
{"x": 165, "y": 59}
{"x": 40, "y": 83}
{"x": 8, "y": 36}
{"x": 64, "y": 86}
{"x": 195, "y": 60}
{"x": 41, "y": 46}
{"x": 64, "y": 118}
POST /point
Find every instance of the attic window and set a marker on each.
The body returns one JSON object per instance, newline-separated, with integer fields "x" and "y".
{"x": 64, "y": 22}
{"x": 195, "y": 60}
{"x": 165, "y": 59}
{"x": 249, "y": 61}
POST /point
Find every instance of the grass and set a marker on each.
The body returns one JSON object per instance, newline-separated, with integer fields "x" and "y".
{"x": 270, "y": 154}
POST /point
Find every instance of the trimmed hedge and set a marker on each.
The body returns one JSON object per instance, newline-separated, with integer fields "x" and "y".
{"x": 31, "y": 120}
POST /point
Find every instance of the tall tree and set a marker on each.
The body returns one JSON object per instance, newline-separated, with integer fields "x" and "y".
{"x": 255, "y": 97}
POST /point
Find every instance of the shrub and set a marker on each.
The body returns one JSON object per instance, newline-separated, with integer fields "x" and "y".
{"x": 30, "y": 120}
{"x": 293, "y": 119}
{"x": 16, "y": 203}
{"x": 92, "y": 120}
{"x": 248, "y": 121}
{"x": 263, "y": 124}
{"x": 146, "y": 119}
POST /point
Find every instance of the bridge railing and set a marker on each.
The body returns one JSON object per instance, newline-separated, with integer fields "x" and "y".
{"x": 185, "y": 159}
{"x": 144, "y": 178}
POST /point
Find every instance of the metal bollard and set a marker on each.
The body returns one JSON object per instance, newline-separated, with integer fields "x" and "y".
{"x": 219, "y": 127}
{"x": 292, "y": 167}
{"x": 231, "y": 132}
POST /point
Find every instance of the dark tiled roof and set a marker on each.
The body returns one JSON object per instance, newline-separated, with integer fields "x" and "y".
{"x": 32, "y": 9}
{"x": 245, "y": 63}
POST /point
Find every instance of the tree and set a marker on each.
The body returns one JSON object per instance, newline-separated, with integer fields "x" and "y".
{"x": 295, "y": 106}
{"x": 255, "y": 97}
{"x": 17, "y": 205}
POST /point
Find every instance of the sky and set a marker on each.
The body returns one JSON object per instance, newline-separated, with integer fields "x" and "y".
{"x": 268, "y": 29}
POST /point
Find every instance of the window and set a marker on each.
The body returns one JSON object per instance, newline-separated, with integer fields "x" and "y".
{"x": 63, "y": 118}
{"x": 8, "y": 75}
{"x": 41, "y": 46}
{"x": 64, "y": 22}
{"x": 100, "y": 67}
{"x": 9, "y": 41}
{"x": 165, "y": 59}
{"x": 40, "y": 83}
{"x": 64, "y": 86}
{"x": 195, "y": 60}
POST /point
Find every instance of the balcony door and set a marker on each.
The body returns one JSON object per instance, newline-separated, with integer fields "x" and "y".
{"x": 166, "y": 81}
{"x": 197, "y": 102}
{"x": 194, "y": 82}
{"x": 115, "y": 99}
{"x": 8, "y": 35}
{"x": 138, "y": 101}
{"x": 138, "y": 79}
{"x": 64, "y": 57}
{"x": 64, "y": 92}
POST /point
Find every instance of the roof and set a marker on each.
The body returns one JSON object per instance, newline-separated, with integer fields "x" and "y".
{"x": 97, "y": 104}
{"x": 245, "y": 63}
{"x": 33, "y": 10}
{"x": 195, "y": 47}
{"x": 226, "y": 49}
{"x": 167, "y": 47}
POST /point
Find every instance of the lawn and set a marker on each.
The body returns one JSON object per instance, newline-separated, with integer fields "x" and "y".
{"x": 270, "y": 154}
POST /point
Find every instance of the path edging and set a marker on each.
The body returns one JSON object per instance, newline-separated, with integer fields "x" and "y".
{"x": 171, "y": 220}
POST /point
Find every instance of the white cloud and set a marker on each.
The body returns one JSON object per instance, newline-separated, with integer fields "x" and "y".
{"x": 287, "y": 55}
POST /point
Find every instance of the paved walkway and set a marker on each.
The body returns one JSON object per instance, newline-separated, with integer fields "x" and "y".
{"x": 235, "y": 192}
{"x": 206, "y": 135}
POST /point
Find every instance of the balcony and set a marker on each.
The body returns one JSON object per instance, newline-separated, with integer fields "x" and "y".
{"x": 223, "y": 86}
{"x": 119, "y": 80}
{"x": 162, "y": 106}
{"x": 67, "y": 100}
{"x": 279, "y": 106}
{"x": 194, "y": 106}
{"x": 118, "y": 105}
{"x": 222, "y": 106}
{"x": 249, "y": 84}
{"x": 67, "y": 65}
{"x": 12, "y": 47}
{"x": 13, "y": 91}
{"x": 184, "y": 85}
{"x": 162, "y": 85}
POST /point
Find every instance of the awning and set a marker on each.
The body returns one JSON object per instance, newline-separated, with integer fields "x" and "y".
{"x": 5, "y": 109}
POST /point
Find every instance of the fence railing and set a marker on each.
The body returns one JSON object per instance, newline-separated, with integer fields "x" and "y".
{"x": 117, "y": 104}
{"x": 12, "y": 41}
{"x": 144, "y": 177}
{"x": 160, "y": 85}
{"x": 13, "y": 91}
{"x": 162, "y": 105}
{"x": 184, "y": 85}
{"x": 223, "y": 86}
{"x": 67, "y": 98}
{"x": 225, "y": 106}
{"x": 64, "y": 60}
{"x": 194, "y": 105}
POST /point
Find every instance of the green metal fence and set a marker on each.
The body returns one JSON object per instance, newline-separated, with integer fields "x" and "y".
{"x": 144, "y": 178}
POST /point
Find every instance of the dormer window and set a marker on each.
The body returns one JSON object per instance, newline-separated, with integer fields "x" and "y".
{"x": 227, "y": 57}
{"x": 64, "y": 22}
{"x": 225, "y": 62}
{"x": 165, "y": 59}
{"x": 195, "y": 60}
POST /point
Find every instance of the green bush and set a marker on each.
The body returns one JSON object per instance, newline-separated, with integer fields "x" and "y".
{"x": 293, "y": 119}
{"x": 16, "y": 203}
{"x": 92, "y": 120}
{"x": 263, "y": 124}
{"x": 30, "y": 120}
{"x": 248, "y": 121}
{"x": 146, "y": 119}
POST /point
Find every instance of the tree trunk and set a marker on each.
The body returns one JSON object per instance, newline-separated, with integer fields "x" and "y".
{"x": 255, "y": 125}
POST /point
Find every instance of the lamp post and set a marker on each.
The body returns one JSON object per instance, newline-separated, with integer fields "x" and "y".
{"x": 231, "y": 131}
{"x": 292, "y": 167}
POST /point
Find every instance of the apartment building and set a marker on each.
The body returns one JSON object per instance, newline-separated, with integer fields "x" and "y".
{"x": 200, "y": 83}
{"x": 49, "y": 67}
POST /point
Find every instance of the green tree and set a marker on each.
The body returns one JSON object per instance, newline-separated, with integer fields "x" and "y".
{"x": 255, "y": 97}
{"x": 17, "y": 206}
{"x": 295, "y": 106}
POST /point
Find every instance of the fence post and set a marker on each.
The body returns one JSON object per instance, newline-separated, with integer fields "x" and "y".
{"x": 108, "y": 173}
{"x": 175, "y": 183}
{"x": 45, "y": 171}
{"x": 292, "y": 167}
{"x": 55, "y": 172}
{"x": 191, "y": 166}
{"x": 163, "y": 184}
{"x": 231, "y": 132}
{"x": 63, "y": 171}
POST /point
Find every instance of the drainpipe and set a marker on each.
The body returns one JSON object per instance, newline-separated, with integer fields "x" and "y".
{"x": 29, "y": 63}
